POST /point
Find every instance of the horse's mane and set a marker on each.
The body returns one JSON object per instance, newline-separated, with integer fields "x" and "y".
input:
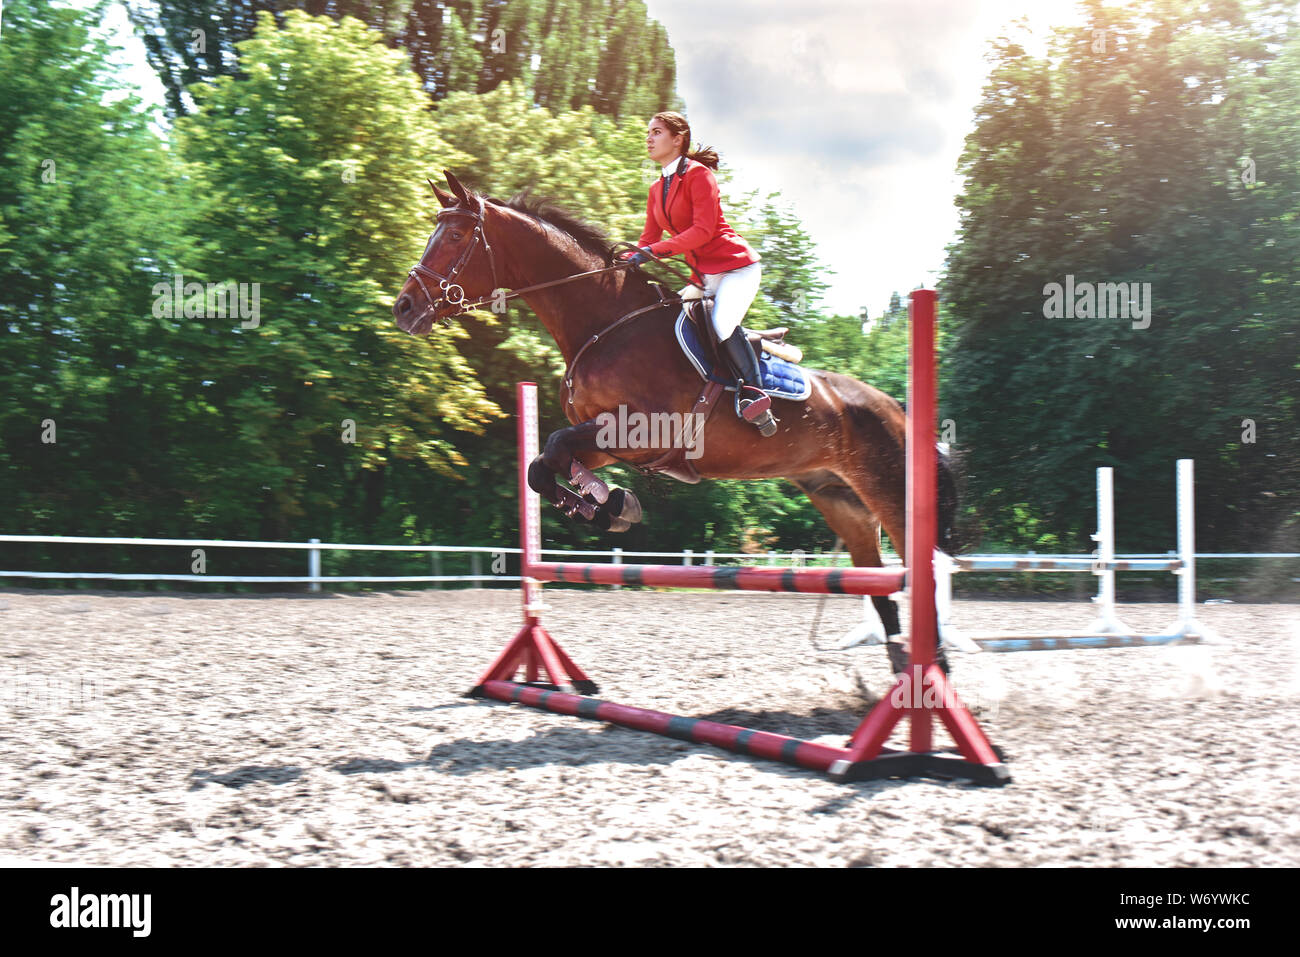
{"x": 587, "y": 235}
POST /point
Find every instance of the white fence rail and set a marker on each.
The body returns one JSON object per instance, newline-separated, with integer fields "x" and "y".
{"x": 314, "y": 579}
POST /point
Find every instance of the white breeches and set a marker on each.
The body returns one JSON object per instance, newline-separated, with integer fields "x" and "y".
{"x": 732, "y": 292}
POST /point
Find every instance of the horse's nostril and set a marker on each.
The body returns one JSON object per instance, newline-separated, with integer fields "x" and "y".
{"x": 403, "y": 306}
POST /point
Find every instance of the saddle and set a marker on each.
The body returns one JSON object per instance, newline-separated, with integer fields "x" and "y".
{"x": 781, "y": 377}
{"x": 776, "y": 358}
{"x": 772, "y": 341}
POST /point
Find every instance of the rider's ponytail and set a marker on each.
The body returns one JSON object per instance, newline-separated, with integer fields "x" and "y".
{"x": 706, "y": 155}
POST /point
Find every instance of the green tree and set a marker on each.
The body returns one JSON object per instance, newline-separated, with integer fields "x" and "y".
{"x": 85, "y": 232}
{"x": 1119, "y": 161}
{"x": 310, "y": 184}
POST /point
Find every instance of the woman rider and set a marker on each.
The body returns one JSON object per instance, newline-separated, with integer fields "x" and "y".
{"x": 684, "y": 202}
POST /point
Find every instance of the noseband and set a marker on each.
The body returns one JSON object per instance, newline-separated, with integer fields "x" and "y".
{"x": 453, "y": 294}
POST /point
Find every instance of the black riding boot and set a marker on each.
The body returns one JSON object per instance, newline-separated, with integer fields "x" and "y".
{"x": 752, "y": 403}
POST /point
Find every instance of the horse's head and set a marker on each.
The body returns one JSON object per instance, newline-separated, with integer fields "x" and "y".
{"x": 457, "y": 269}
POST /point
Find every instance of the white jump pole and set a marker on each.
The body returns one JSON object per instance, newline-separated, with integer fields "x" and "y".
{"x": 949, "y": 634}
{"x": 1187, "y": 626}
{"x": 1186, "y": 546}
{"x": 1106, "y": 623}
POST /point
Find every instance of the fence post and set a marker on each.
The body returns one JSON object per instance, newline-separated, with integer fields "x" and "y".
{"x": 688, "y": 557}
{"x": 475, "y": 568}
{"x": 437, "y": 567}
{"x": 313, "y": 565}
{"x": 618, "y": 560}
{"x": 708, "y": 557}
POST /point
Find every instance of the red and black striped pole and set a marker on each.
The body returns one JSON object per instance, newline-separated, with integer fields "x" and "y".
{"x": 760, "y": 744}
{"x": 821, "y": 581}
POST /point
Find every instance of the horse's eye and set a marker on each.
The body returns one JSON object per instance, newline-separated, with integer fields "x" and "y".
{"x": 456, "y": 236}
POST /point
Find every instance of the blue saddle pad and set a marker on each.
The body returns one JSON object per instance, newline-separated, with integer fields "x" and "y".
{"x": 781, "y": 379}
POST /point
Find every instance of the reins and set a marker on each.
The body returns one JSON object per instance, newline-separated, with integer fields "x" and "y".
{"x": 568, "y": 372}
{"x": 453, "y": 294}
{"x": 583, "y": 275}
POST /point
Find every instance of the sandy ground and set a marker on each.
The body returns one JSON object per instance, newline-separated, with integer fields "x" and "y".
{"x": 327, "y": 730}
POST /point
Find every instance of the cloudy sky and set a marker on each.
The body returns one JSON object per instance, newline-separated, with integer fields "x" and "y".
{"x": 855, "y": 110}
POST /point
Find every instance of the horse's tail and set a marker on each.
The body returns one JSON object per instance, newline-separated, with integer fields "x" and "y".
{"x": 947, "y": 539}
{"x": 868, "y": 419}
{"x": 948, "y": 536}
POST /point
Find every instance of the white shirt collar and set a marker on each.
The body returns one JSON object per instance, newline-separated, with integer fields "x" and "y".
{"x": 671, "y": 168}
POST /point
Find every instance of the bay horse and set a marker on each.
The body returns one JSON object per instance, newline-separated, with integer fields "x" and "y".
{"x": 843, "y": 447}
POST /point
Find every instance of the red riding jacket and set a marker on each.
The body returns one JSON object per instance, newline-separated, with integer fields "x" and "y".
{"x": 693, "y": 218}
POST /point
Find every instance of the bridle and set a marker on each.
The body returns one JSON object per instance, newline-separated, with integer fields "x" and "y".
{"x": 453, "y": 294}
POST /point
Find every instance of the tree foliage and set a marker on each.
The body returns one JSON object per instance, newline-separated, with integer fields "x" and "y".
{"x": 606, "y": 54}
{"x": 307, "y": 173}
{"x": 86, "y": 229}
{"x": 1123, "y": 162}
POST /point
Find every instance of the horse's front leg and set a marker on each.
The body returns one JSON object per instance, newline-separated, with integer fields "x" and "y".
{"x": 560, "y": 455}
{"x": 573, "y": 452}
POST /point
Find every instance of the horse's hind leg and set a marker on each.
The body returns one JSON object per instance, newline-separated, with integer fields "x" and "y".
{"x": 858, "y": 527}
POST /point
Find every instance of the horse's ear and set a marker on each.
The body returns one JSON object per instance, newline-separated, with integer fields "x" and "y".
{"x": 444, "y": 197}
{"x": 461, "y": 192}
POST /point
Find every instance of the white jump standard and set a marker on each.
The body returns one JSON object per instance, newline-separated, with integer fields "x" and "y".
{"x": 1106, "y": 631}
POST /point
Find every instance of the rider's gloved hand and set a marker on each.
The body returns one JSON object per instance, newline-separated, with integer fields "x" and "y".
{"x": 636, "y": 258}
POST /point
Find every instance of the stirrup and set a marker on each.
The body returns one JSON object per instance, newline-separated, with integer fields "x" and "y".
{"x": 757, "y": 412}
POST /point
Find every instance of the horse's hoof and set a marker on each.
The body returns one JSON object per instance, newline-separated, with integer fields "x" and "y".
{"x": 619, "y": 513}
{"x": 623, "y": 504}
